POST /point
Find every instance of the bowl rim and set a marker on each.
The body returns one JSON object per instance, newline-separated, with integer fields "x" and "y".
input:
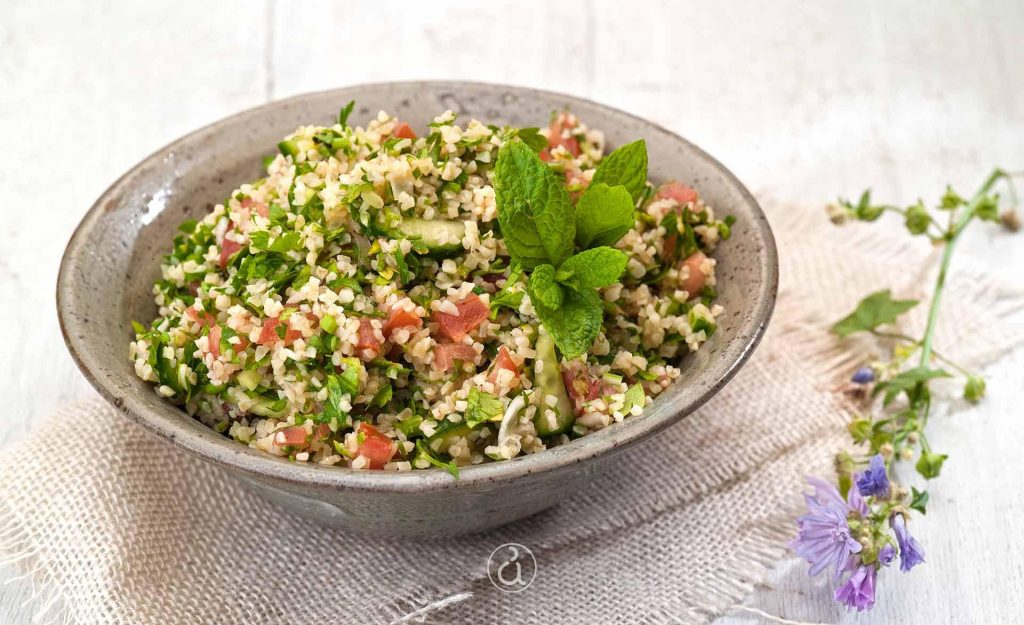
{"x": 229, "y": 454}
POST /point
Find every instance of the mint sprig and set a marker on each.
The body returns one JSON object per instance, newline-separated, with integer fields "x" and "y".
{"x": 567, "y": 249}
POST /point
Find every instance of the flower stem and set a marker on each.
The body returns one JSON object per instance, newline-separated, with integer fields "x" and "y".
{"x": 947, "y": 254}
{"x": 899, "y": 336}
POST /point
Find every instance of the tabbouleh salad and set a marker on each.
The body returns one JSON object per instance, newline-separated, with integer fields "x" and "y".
{"x": 387, "y": 300}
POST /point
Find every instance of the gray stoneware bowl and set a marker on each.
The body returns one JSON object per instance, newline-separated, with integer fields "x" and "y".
{"x": 113, "y": 259}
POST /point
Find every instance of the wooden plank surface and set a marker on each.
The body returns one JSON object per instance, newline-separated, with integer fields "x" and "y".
{"x": 802, "y": 100}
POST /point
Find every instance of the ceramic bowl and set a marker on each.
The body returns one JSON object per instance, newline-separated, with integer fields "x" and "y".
{"x": 113, "y": 259}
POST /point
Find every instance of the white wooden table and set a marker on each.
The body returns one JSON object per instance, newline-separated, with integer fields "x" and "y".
{"x": 803, "y": 101}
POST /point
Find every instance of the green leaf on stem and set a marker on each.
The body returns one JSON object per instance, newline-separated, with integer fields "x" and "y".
{"x": 918, "y": 500}
{"x": 907, "y": 382}
{"x": 875, "y": 310}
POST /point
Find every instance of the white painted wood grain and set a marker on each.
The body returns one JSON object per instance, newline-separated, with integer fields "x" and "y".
{"x": 802, "y": 100}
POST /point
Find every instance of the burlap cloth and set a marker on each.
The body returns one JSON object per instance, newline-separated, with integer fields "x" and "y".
{"x": 114, "y": 526}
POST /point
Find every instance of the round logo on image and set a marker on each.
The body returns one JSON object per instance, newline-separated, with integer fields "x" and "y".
{"x": 511, "y": 567}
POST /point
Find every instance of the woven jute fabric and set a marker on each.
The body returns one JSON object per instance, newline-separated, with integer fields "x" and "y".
{"x": 114, "y": 526}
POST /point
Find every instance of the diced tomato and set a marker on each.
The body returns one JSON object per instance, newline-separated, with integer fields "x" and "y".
{"x": 367, "y": 337}
{"x": 472, "y": 312}
{"x": 228, "y": 249}
{"x": 502, "y": 361}
{"x": 268, "y": 334}
{"x": 555, "y": 138}
{"x": 678, "y": 192}
{"x": 261, "y": 209}
{"x": 445, "y": 355}
{"x": 291, "y": 335}
{"x": 213, "y": 340}
{"x": 403, "y": 131}
{"x": 322, "y": 431}
{"x": 376, "y": 447}
{"x": 683, "y": 195}
{"x": 401, "y": 318}
{"x": 694, "y": 282}
{"x": 581, "y": 386}
{"x": 291, "y": 436}
{"x": 204, "y": 318}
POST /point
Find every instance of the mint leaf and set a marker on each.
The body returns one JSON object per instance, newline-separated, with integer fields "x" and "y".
{"x": 481, "y": 407}
{"x": 520, "y": 233}
{"x": 874, "y": 310}
{"x": 345, "y": 112}
{"x": 543, "y": 288}
{"x": 592, "y": 269}
{"x": 532, "y": 138}
{"x": 533, "y": 207}
{"x": 626, "y": 166}
{"x": 575, "y": 324}
{"x": 603, "y": 215}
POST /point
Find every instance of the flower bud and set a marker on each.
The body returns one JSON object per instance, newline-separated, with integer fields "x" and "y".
{"x": 930, "y": 464}
{"x": 837, "y": 214}
{"x": 906, "y": 454}
{"x": 1010, "y": 220}
{"x": 912, "y": 438}
{"x": 886, "y": 451}
{"x": 864, "y": 375}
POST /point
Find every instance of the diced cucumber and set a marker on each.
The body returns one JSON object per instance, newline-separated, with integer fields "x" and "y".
{"x": 548, "y": 382}
{"x": 439, "y": 236}
{"x": 269, "y": 408}
{"x": 249, "y": 379}
{"x": 447, "y": 435}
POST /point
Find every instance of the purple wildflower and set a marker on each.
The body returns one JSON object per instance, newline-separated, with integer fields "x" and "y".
{"x": 874, "y": 481}
{"x": 858, "y": 591}
{"x": 823, "y": 534}
{"x": 911, "y": 553}
{"x": 864, "y": 375}
{"x": 886, "y": 555}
